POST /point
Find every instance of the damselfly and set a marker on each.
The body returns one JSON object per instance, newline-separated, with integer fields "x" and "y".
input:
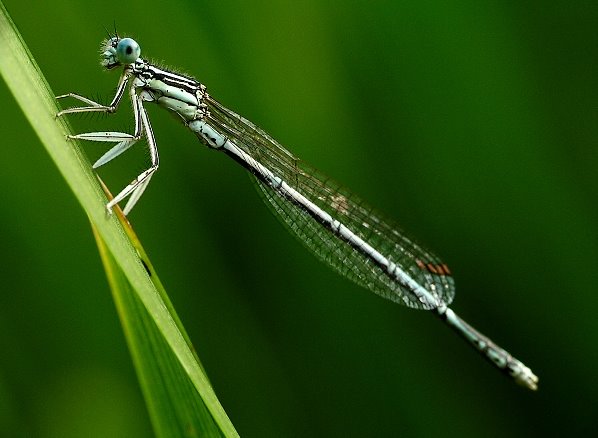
{"x": 342, "y": 230}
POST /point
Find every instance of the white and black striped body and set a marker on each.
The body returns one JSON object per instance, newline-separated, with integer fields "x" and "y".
{"x": 341, "y": 229}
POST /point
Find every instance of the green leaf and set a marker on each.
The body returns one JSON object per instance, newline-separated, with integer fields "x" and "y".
{"x": 174, "y": 405}
{"x": 178, "y": 393}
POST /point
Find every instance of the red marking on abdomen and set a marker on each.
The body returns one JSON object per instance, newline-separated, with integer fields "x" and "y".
{"x": 439, "y": 269}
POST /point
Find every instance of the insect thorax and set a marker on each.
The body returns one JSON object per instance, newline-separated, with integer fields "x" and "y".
{"x": 178, "y": 93}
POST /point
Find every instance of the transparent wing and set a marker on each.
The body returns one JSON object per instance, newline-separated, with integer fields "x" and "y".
{"x": 382, "y": 234}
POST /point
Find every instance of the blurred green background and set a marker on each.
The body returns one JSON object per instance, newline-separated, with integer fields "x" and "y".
{"x": 472, "y": 123}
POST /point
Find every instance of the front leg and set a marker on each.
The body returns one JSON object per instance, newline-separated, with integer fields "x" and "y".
{"x": 93, "y": 106}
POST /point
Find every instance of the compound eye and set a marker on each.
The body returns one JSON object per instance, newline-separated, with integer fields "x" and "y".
{"x": 127, "y": 51}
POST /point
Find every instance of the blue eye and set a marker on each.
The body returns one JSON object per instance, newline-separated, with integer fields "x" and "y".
{"x": 127, "y": 51}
